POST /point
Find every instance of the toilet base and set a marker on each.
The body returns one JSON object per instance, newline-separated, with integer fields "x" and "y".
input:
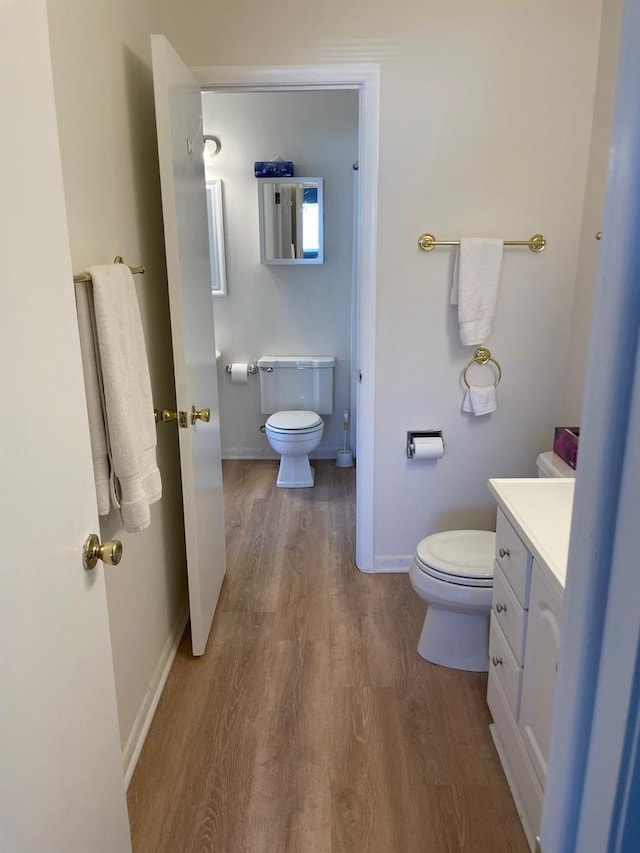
{"x": 455, "y": 640}
{"x": 295, "y": 472}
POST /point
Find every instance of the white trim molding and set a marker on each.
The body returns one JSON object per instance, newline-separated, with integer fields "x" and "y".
{"x": 365, "y": 78}
{"x": 392, "y": 565}
{"x": 142, "y": 724}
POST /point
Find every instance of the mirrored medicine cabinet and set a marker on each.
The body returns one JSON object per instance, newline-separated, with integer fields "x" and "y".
{"x": 291, "y": 218}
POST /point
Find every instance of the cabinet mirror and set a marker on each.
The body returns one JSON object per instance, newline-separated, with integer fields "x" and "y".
{"x": 291, "y": 213}
{"x": 216, "y": 237}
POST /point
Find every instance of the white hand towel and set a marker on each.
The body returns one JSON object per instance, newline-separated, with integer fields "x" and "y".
{"x": 93, "y": 392}
{"x": 476, "y": 276}
{"x": 480, "y": 400}
{"x": 128, "y": 404}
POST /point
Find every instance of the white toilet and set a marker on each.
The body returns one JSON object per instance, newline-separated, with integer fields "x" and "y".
{"x": 453, "y": 573}
{"x": 295, "y": 390}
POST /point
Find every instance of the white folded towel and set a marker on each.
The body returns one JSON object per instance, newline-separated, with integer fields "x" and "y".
{"x": 475, "y": 286}
{"x": 122, "y": 374}
{"x": 480, "y": 399}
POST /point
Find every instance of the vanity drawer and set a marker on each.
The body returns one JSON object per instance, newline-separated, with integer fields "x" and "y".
{"x": 504, "y": 666}
{"x": 514, "y": 559}
{"x": 508, "y": 613}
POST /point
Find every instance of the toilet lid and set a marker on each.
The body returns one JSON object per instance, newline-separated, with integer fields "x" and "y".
{"x": 293, "y": 420}
{"x": 460, "y": 556}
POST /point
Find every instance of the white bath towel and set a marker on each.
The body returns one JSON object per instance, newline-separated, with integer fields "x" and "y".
{"x": 127, "y": 404}
{"x": 480, "y": 400}
{"x": 476, "y": 277}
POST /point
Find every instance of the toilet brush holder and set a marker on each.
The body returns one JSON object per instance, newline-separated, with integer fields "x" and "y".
{"x": 344, "y": 459}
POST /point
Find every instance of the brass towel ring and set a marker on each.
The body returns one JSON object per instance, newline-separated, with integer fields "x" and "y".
{"x": 481, "y": 356}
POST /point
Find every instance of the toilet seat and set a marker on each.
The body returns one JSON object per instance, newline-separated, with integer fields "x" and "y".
{"x": 294, "y": 422}
{"x": 461, "y": 557}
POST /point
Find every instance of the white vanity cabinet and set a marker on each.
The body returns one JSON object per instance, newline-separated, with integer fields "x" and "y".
{"x": 523, "y": 653}
{"x": 540, "y": 667}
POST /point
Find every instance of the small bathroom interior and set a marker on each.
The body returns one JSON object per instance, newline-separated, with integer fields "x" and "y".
{"x": 283, "y": 302}
{"x": 487, "y": 126}
{"x": 278, "y": 296}
{"x": 283, "y": 309}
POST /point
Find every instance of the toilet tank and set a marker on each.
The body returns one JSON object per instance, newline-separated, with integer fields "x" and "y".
{"x": 296, "y": 382}
{"x": 551, "y": 465}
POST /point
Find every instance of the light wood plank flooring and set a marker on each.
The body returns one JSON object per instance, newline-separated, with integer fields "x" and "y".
{"x": 311, "y": 725}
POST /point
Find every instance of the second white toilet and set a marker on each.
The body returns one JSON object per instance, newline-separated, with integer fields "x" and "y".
{"x": 295, "y": 391}
{"x": 453, "y": 573}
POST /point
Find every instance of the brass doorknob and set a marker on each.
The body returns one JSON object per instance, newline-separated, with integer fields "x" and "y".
{"x": 200, "y": 415}
{"x": 164, "y": 416}
{"x": 108, "y": 552}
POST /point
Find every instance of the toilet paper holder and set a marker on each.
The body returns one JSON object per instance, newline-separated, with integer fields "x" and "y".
{"x": 252, "y": 368}
{"x": 413, "y": 434}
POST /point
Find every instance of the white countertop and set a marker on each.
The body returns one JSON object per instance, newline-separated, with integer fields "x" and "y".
{"x": 540, "y": 511}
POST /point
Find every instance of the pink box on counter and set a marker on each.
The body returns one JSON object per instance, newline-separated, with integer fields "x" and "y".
{"x": 565, "y": 444}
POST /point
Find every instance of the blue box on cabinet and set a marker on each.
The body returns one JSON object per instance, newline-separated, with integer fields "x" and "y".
{"x": 273, "y": 168}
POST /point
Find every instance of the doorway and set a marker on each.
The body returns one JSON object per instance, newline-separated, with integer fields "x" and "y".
{"x": 363, "y": 80}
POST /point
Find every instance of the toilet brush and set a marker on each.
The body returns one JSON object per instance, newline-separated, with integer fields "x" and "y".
{"x": 344, "y": 458}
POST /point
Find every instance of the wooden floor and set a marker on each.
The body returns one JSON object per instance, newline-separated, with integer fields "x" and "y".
{"x": 311, "y": 724}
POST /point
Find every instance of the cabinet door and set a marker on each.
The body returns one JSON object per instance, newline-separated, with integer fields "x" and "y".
{"x": 540, "y": 664}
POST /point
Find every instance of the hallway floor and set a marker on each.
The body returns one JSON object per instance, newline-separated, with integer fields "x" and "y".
{"x": 311, "y": 724}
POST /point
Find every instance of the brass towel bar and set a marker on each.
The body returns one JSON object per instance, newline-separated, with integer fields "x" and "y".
{"x": 536, "y": 242}
{"x": 84, "y": 276}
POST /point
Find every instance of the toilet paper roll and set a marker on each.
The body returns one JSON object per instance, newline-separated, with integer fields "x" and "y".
{"x": 239, "y": 371}
{"x": 428, "y": 448}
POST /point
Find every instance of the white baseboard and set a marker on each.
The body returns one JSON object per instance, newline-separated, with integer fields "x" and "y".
{"x": 391, "y": 565}
{"x": 248, "y": 453}
{"x": 261, "y": 453}
{"x": 142, "y": 724}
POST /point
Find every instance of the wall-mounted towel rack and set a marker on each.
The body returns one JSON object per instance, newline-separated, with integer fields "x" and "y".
{"x": 536, "y": 242}
{"x": 84, "y": 276}
{"x": 482, "y": 356}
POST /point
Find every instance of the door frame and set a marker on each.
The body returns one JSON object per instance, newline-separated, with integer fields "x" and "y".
{"x": 594, "y": 760}
{"x": 365, "y": 79}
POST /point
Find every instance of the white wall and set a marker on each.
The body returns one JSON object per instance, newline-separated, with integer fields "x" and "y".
{"x": 593, "y": 205}
{"x": 485, "y": 123}
{"x": 282, "y": 310}
{"x": 104, "y": 99}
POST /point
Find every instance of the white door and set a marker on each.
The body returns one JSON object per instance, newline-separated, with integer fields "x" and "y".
{"x": 180, "y": 144}
{"x": 61, "y": 781}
